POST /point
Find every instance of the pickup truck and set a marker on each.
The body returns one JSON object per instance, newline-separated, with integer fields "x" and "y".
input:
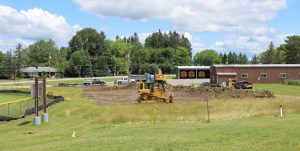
{"x": 94, "y": 82}
{"x": 124, "y": 81}
{"x": 243, "y": 85}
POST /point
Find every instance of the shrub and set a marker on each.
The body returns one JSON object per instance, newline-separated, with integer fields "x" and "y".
{"x": 292, "y": 82}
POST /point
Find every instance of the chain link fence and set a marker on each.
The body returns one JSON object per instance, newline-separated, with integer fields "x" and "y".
{"x": 20, "y": 108}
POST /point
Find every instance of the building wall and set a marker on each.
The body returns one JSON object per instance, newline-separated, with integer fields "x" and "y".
{"x": 254, "y": 73}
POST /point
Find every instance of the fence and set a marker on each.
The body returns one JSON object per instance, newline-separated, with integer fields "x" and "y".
{"x": 20, "y": 108}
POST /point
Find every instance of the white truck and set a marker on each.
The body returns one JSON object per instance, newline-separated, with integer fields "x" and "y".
{"x": 124, "y": 81}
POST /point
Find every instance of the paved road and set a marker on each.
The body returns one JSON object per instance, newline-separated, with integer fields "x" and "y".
{"x": 61, "y": 79}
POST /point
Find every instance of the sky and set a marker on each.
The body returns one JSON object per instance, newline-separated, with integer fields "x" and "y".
{"x": 246, "y": 26}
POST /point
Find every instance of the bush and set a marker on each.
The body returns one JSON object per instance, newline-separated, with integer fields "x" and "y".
{"x": 292, "y": 82}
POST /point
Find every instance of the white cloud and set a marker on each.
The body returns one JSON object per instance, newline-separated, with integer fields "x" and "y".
{"x": 192, "y": 15}
{"x": 11, "y": 43}
{"x": 251, "y": 44}
{"x": 143, "y": 36}
{"x": 35, "y": 24}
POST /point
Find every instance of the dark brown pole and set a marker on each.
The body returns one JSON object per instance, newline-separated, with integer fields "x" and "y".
{"x": 44, "y": 96}
{"x": 36, "y": 84}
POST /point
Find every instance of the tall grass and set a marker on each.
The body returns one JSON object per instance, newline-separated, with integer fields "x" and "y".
{"x": 177, "y": 112}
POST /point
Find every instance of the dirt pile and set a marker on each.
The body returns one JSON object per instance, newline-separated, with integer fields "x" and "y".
{"x": 219, "y": 92}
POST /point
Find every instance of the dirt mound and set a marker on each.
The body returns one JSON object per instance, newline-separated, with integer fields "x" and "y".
{"x": 223, "y": 93}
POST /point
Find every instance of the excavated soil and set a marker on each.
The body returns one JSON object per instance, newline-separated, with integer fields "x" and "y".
{"x": 127, "y": 94}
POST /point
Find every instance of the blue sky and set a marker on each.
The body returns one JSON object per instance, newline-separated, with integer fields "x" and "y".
{"x": 245, "y": 26}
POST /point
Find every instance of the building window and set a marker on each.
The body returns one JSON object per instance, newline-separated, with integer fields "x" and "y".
{"x": 244, "y": 75}
{"x": 282, "y": 75}
{"x": 299, "y": 75}
{"x": 263, "y": 76}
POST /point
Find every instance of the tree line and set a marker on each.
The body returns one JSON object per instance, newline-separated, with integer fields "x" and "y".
{"x": 90, "y": 53}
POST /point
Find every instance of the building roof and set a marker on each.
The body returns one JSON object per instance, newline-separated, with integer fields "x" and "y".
{"x": 226, "y": 73}
{"x": 39, "y": 69}
{"x": 193, "y": 67}
{"x": 258, "y": 65}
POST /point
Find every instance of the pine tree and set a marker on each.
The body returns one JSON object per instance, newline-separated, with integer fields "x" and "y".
{"x": 254, "y": 60}
{"x": 267, "y": 57}
{"x": 8, "y": 66}
{"x": 18, "y": 60}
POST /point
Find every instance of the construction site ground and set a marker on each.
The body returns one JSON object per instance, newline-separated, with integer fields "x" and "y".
{"x": 128, "y": 94}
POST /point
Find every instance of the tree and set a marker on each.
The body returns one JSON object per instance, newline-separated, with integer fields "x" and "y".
{"x": 232, "y": 58}
{"x": 224, "y": 58}
{"x": 254, "y": 60}
{"x": 118, "y": 60}
{"x": 8, "y": 65}
{"x": 18, "y": 60}
{"x": 62, "y": 63}
{"x": 181, "y": 57}
{"x": 267, "y": 57}
{"x": 1, "y": 64}
{"x": 279, "y": 55}
{"x": 81, "y": 62}
{"x": 292, "y": 49}
{"x": 207, "y": 58}
{"x": 164, "y": 40}
{"x": 90, "y": 40}
{"x": 41, "y": 52}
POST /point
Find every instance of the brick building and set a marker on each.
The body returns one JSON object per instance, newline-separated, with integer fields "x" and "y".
{"x": 254, "y": 73}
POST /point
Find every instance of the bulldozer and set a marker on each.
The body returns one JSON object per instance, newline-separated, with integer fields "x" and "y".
{"x": 154, "y": 89}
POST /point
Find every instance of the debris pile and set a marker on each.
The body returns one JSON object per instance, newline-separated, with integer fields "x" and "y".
{"x": 223, "y": 92}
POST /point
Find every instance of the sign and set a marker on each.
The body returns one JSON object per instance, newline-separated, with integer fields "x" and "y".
{"x": 203, "y": 74}
{"x": 40, "y": 87}
{"x": 187, "y": 74}
{"x": 194, "y": 74}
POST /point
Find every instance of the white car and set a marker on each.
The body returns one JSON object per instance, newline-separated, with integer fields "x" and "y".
{"x": 124, "y": 81}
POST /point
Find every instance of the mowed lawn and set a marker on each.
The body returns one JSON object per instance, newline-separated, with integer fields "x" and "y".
{"x": 235, "y": 124}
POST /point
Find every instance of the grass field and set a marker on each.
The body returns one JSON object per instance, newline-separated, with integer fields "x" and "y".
{"x": 236, "y": 124}
{"x": 280, "y": 89}
{"x": 12, "y": 97}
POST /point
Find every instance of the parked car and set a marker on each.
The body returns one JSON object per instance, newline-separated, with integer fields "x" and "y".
{"x": 124, "y": 81}
{"x": 94, "y": 82}
{"x": 243, "y": 85}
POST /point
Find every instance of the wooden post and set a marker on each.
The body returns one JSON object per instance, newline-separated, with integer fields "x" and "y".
{"x": 36, "y": 92}
{"x": 44, "y": 96}
{"x": 206, "y": 98}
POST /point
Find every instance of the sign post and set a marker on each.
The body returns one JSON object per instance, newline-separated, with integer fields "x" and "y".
{"x": 45, "y": 116}
{"x": 37, "y": 119}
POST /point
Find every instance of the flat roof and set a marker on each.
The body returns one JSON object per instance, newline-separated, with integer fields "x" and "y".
{"x": 226, "y": 73}
{"x": 39, "y": 69}
{"x": 193, "y": 67}
{"x": 258, "y": 65}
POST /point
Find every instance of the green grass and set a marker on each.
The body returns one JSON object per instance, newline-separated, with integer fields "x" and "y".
{"x": 20, "y": 80}
{"x": 12, "y": 97}
{"x": 280, "y": 89}
{"x": 236, "y": 124}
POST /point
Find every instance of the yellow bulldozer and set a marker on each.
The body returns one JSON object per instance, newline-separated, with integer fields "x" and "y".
{"x": 155, "y": 89}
